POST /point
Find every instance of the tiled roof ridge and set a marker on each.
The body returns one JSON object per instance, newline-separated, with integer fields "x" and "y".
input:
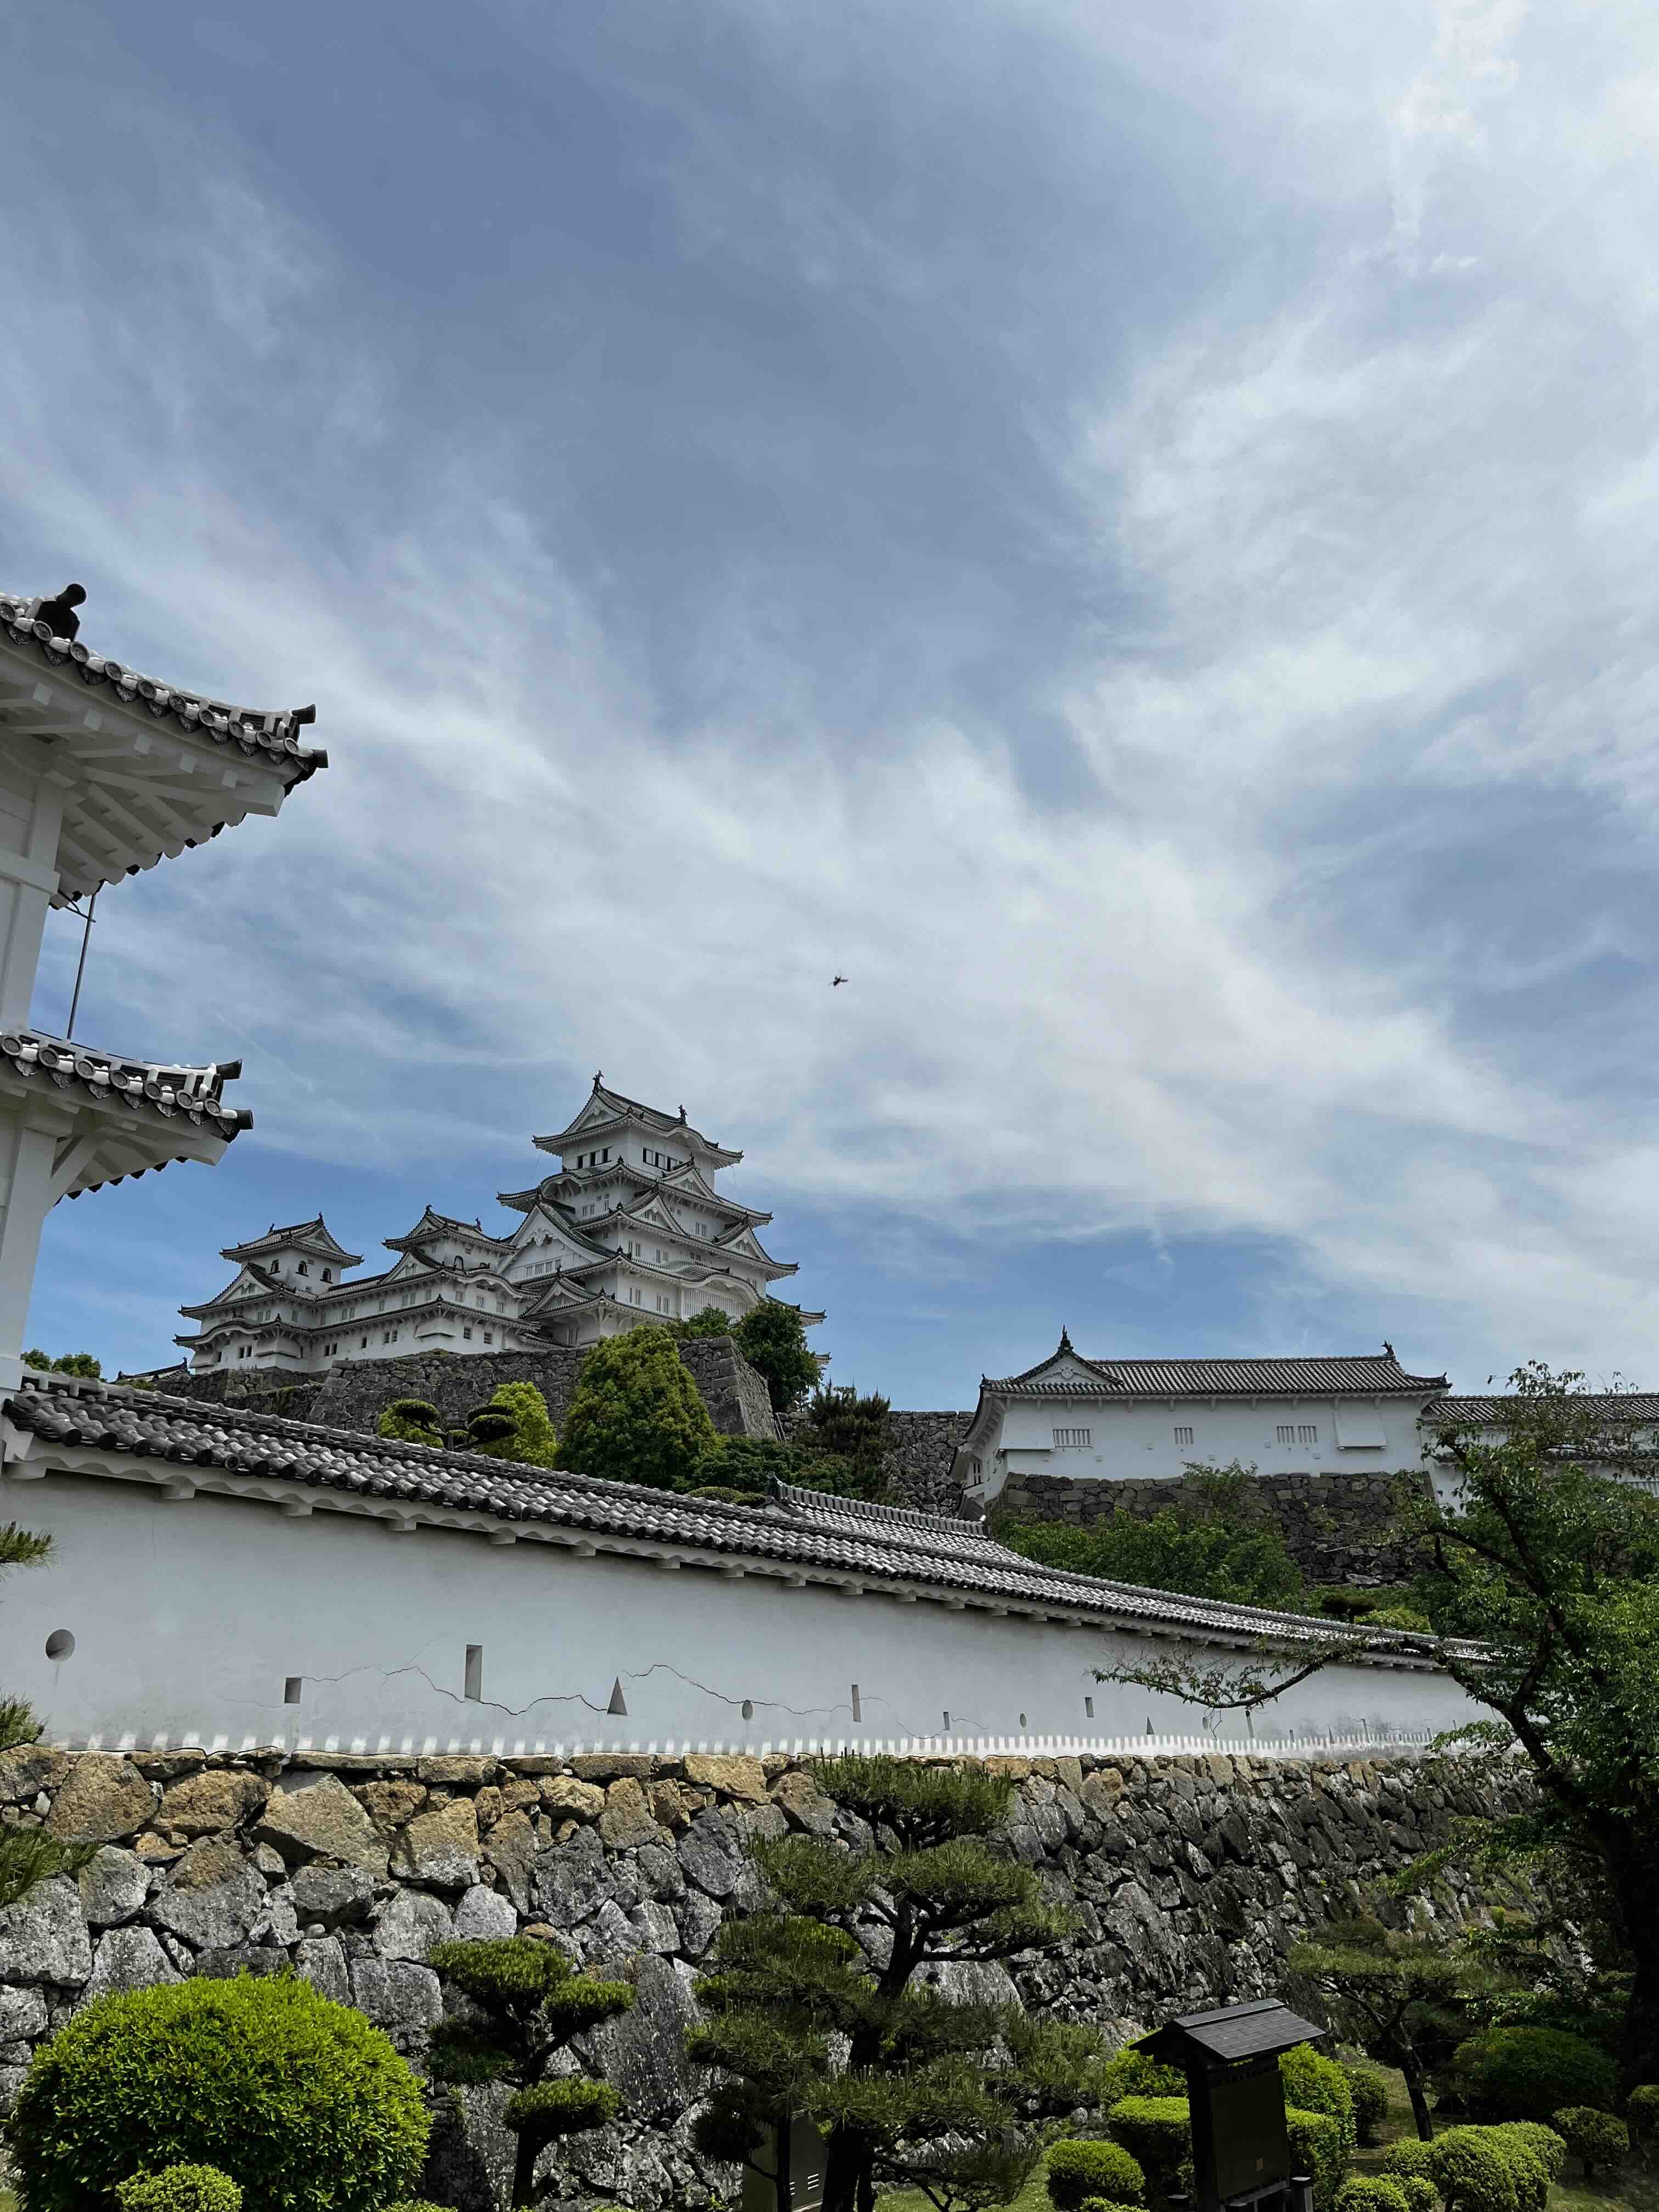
{"x": 798, "y": 1498}
{"x": 254, "y": 729}
{"x": 161, "y": 1087}
{"x": 1367, "y": 1374}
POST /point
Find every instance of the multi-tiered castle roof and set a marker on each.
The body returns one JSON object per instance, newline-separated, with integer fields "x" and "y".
{"x": 629, "y": 1228}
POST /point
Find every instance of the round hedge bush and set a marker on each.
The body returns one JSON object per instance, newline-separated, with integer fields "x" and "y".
{"x": 1157, "y": 2132}
{"x": 1318, "y": 2148}
{"x": 1545, "y": 2144}
{"x": 1370, "y": 2094}
{"x": 1408, "y": 2157}
{"x": 299, "y": 2100}
{"x": 1421, "y": 2195}
{"x": 1520, "y": 2073}
{"x": 1379, "y": 2192}
{"x": 1641, "y": 2109}
{"x": 1596, "y": 2139}
{"x": 1104, "y": 2204}
{"x": 1081, "y": 2170}
{"x": 1471, "y": 2172}
{"x": 1314, "y": 2083}
{"x": 181, "y": 2189}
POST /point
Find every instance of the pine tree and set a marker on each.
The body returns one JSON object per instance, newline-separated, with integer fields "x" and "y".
{"x": 772, "y": 1338}
{"x": 27, "y": 1856}
{"x": 1396, "y": 1991}
{"x": 410, "y": 1421}
{"x": 945, "y": 2096}
{"x": 514, "y": 1424}
{"x": 528, "y": 2002}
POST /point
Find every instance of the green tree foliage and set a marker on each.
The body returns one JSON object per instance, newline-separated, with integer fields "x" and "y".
{"x": 635, "y": 1414}
{"x": 1376, "y": 2193}
{"x": 1078, "y": 2171}
{"x": 299, "y": 2100}
{"x": 27, "y": 1856}
{"x": 1599, "y": 2143}
{"x": 1157, "y": 2131}
{"x": 1642, "y": 2111}
{"x": 513, "y": 1425}
{"x": 530, "y": 2003}
{"x": 707, "y": 1321}
{"x": 855, "y": 1428}
{"x": 67, "y": 1362}
{"x": 1515, "y": 2073}
{"x": 410, "y": 1421}
{"x": 1369, "y": 2093}
{"x": 946, "y": 2097}
{"x": 1397, "y": 1994}
{"x": 1314, "y": 2083}
{"x": 181, "y": 2189}
{"x": 772, "y": 1338}
{"x": 1215, "y": 1541}
{"x": 744, "y": 1466}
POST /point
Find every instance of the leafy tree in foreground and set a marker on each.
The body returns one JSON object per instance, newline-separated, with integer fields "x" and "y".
{"x": 940, "y": 2096}
{"x": 1542, "y": 1578}
{"x": 27, "y": 1856}
{"x": 512, "y": 1426}
{"x": 528, "y": 2004}
{"x": 772, "y": 1338}
{"x": 1397, "y": 1995}
{"x": 1215, "y": 1542}
{"x": 67, "y": 1362}
{"x": 853, "y": 1428}
{"x": 635, "y": 1414}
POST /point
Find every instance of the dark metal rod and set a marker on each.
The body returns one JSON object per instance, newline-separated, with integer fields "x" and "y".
{"x": 86, "y": 939}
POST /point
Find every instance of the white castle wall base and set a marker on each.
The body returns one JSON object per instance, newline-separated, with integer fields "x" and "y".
{"x": 223, "y": 1622}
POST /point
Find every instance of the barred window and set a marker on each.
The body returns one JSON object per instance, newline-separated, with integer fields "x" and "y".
{"x": 1305, "y": 1435}
{"x": 1183, "y": 1436}
{"x": 1070, "y": 1439}
{"x": 1284, "y": 1433}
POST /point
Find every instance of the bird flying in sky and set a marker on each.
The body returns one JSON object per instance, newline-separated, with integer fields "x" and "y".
{"x": 834, "y": 980}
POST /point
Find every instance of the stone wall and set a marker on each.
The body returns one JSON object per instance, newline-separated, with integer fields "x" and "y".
{"x": 1337, "y": 1527}
{"x": 1189, "y": 1877}
{"x": 353, "y": 1395}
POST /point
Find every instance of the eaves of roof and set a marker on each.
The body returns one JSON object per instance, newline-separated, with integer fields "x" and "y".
{"x": 153, "y": 1091}
{"x": 1362, "y": 1377}
{"x": 252, "y": 729}
{"x": 820, "y": 1536}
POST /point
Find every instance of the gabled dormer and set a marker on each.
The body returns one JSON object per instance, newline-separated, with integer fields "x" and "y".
{"x": 302, "y": 1254}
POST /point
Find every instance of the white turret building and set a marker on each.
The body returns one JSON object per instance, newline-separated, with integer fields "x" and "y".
{"x": 102, "y": 771}
{"x": 629, "y": 1228}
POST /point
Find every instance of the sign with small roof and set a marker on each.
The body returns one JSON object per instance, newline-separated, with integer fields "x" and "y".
{"x": 1241, "y": 2145}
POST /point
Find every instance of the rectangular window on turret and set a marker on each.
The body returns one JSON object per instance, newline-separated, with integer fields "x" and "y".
{"x": 1072, "y": 1440}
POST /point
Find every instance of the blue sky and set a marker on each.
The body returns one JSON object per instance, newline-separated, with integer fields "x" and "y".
{"x": 1129, "y": 532}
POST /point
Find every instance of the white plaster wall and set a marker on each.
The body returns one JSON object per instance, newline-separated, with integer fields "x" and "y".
{"x": 188, "y": 1615}
{"x": 1137, "y": 1440}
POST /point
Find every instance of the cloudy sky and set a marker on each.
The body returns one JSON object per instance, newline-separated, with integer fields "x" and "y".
{"x": 1128, "y": 531}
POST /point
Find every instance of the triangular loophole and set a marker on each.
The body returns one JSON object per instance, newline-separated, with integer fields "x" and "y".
{"x": 618, "y": 1702}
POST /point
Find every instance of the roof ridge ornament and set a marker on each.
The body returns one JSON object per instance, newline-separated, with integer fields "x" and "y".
{"x": 1065, "y": 1341}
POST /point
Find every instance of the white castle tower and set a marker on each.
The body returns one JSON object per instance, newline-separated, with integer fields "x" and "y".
{"x": 102, "y": 771}
{"x": 630, "y": 1228}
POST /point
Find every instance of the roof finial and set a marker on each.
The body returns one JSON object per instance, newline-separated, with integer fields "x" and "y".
{"x": 682, "y": 1113}
{"x": 59, "y": 614}
{"x": 598, "y": 1074}
{"x": 1065, "y": 1339}
{"x": 1389, "y": 1349}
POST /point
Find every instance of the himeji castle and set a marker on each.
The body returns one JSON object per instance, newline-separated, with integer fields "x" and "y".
{"x": 103, "y": 772}
{"x": 630, "y": 1228}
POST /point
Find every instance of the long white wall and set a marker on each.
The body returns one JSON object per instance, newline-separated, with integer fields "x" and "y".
{"x": 189, "y": 1616}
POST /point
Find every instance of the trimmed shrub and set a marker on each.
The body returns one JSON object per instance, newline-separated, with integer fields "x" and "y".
{"x": 513, "y": 1425}
{"x": 1545, "y": 2144}
{"x": 1130, "y": 2073}
{"x": 1104, "y": 2204}
{"x": 1317, "y": 2148}
{"x": 1372, "y": 2193}
{"x": 1408, "y": 2157}
{"x": 1515, "y": 2073}
{"x": 1078, "y": 2171}
{"x": 635, "y": 1414}
{"x": 1314, "y": 2083}
{"x": 1157, "y": 2132}
{"x": 181, "y": 2189}
{"x": 410, "y": 1421}
{"x": 1421, "y": 2195}
{"x": 298, "y": 2098}
{"x": 1472, "y": 2172}
{"x": 1599, "y": 2142}
{"x": 1641, "y": 2110}
{"x": 1370, "y": 2093}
